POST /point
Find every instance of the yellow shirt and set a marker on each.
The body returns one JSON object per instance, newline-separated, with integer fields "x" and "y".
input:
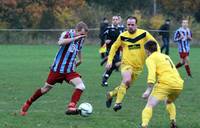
{"x": 161, "y": 67}
{"x": 133, "y": 52}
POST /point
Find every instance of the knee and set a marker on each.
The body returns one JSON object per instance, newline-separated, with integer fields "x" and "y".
{"x": 168, "y": 101}
{"x": 150, "y": 104}
{"x": 80, "y": 86}
{"x": 182, "y": 62}
{"x": 127, "y": 82}
{"x": 186, "y": 62}
{"x": 46, "y": 88}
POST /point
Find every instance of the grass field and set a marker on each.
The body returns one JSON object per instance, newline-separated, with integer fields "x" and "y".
{"x": 24, "y": 68}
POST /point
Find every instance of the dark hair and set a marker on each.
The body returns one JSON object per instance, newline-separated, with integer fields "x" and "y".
{"x": 104, "y": 18}
{"x": 132, "y": 17}
{"x": 167, "y": 20}
{"x": 151, "y": 46}
{"x": 81, "y": 25}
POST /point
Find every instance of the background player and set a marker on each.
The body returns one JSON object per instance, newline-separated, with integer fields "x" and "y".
{"x": 103, "y": 26}
{"x": 165, "y": 81}
{"x": 63, "y": 68}
{"x": 164, "y": 32}
{"x": 111, "y": 34}
{"x": 133, "y": 57}
{"x": 183, "y": 36}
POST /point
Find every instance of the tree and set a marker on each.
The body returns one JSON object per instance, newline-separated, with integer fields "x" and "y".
{"x": 179, "y": 8}
{"x": 197, "y": 15}
{"x": 121, "y": 6}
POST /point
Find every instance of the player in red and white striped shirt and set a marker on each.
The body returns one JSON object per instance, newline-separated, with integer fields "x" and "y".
{"x": 63, "y": 68}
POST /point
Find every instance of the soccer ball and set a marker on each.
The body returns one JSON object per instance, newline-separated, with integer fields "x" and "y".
{"x": 85, "y": 109}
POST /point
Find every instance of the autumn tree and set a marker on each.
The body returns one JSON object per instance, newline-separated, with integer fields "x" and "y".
{"x": 179, "y": 8}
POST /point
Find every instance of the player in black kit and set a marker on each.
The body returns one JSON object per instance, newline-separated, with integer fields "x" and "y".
{"x": 111, "y": 34}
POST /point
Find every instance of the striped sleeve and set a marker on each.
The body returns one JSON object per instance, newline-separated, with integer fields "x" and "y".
{"x": 177, "y": 36}
{"x": 189, "y": 33}
{"x": 81, "y": 43}
{"x": 64, "y": 35}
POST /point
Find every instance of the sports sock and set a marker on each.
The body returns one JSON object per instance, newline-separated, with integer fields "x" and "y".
{"x": 114, "y": 92}
{"x": 107, "y": 75}
{"x": 35, "y": 96}
{"x": 102, "y": 55}
{"x": 121, "y": 93}
{"x": 171, "y": 109}
{"x": 187, "y": 68}
{"x": 76, "y": 95}
{"x": 179, "y": 65}
{"x": 146, "y": 116}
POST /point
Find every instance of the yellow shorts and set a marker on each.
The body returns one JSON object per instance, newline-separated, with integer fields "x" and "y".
{"x": 135, "y": 72}
{"x": 163, "y": 93}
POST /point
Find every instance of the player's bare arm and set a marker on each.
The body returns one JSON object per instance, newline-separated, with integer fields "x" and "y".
{"x": 107, "y": 41}
{"x": 148, "y": 91}
{"x": 189, "y": 37}
{"x": 69, "y": 40}
{"x": 108, "y": 66}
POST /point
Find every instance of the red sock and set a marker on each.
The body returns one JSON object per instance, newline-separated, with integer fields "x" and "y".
{"x": 188, "y": 70}
{"x": 35, "y": 96}
{"x": 179, "y": 65}
{"x": 76, "y": 96}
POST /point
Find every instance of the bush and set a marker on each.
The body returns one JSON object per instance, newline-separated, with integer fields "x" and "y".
{"x": 156, "y": 21}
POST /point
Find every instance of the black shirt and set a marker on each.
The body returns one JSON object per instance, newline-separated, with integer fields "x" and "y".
{"x": 103, "y": 27}
{"x": 111, "y": 33}
{"x": 164, "y": 31}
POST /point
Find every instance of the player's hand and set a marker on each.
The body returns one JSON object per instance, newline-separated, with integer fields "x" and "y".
{"x": 80, "y": 36}
{"x": 108, "y": 66}
{"x": 146, "y": 94}
{"x": 78, "y": 63}
{"x": 181, "y": 37}
{"x": 189, "y": 37}
{"x": 107, "y": 41}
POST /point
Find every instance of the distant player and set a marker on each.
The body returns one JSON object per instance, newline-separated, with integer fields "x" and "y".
{"x": 182, "y": 37}
{"x": 121, "y": 22}
{"x": 111, "y": 34}
{"x": 164, "y": 32}
{"x": 63, "y": 68}
{"x": 164, "y": 83}
{"x": 103, "y": 25}
{"x": 133, "y": 58}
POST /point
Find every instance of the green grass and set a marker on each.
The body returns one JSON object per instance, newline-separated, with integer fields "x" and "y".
{"x": 24, "y": 68}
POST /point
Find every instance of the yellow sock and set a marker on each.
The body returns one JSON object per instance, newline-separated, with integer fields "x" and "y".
{"x": 171, "y": 109}
{"x": 120, "y": 93}
{"x": 114, "y": 92}
{"x": 146, "y": 116}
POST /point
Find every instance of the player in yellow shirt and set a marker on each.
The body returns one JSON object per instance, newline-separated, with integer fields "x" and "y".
{"x": 133, "y": 58}
{"x": 164, "y": 83}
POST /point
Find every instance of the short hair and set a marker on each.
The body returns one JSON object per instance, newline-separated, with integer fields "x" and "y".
{"x": 115, "y": 16}
{"x": 132, "y": 17}
{"x": 104, "y": 18}
{"x": 81, "y": 25}
{"x": 151, "y": 46}
{"x": 167, "y": 20}
{"x": 184, "y": 19}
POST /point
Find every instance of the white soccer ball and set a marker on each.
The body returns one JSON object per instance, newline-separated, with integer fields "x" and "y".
{"x": 85, "y": 108}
